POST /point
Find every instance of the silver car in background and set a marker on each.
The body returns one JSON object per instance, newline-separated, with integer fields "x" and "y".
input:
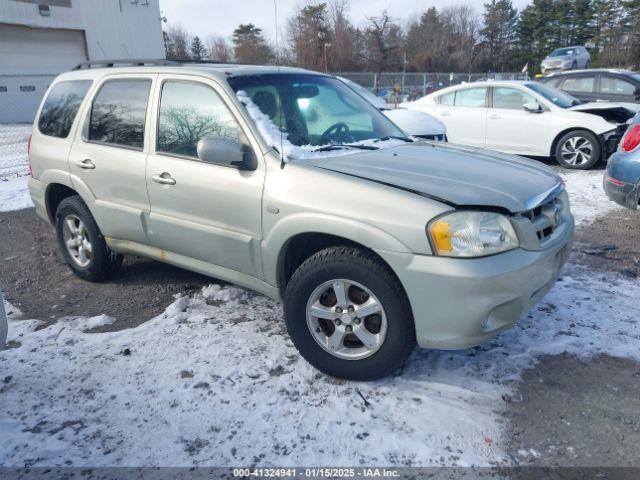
{"x": 569, "y": 58}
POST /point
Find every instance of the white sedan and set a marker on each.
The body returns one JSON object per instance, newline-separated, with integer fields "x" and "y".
{"x": 417, "y": 124}
{"x": 528, "y": 118}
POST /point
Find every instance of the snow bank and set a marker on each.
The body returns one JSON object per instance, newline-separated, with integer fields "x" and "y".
{"x": 14, "y": 194}
{"x": 215, "y": 381}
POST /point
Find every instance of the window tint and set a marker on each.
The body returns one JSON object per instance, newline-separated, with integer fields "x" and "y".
{"x": 510, "y": 98}
{"x": 61, "y": 107}
{"x": 118, "y": 113}
{"x": 616, "y": 86}
{"x": 447, "y": 98}
{"x": 471, "y": 97}
{"x": 188, "y": 112}
{"x": 579, "y": 84}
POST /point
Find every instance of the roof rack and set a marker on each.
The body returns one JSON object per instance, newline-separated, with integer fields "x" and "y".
{"x": 129, "y": 62}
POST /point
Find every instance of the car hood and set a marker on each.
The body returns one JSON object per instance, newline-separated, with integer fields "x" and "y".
{"x": 614, "y": 112}
{"x": 459, "y": 176}
{"x": 416, "y": 123}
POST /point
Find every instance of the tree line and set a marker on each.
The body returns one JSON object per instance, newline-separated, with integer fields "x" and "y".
{"x": 321, "y": 36}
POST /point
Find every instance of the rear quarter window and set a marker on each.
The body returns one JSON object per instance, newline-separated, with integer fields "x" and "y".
{"x": 61, "y": 107}
{"x": 118, "y": 113}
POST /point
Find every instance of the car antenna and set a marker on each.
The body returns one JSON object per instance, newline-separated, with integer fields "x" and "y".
{"x": 275, "y": 16}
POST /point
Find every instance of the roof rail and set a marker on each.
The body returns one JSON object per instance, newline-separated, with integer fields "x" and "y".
{"x": 129, "y": 62}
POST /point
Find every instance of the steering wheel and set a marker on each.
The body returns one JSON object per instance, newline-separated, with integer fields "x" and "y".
{"x": 338, "y": 131}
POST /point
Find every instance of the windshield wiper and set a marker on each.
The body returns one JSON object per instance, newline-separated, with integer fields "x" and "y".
{"x": 391, "y": 137}
{"x": 337, "y": 146}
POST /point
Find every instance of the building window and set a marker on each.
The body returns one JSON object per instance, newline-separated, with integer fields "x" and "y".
{"x": 27, "y": 88}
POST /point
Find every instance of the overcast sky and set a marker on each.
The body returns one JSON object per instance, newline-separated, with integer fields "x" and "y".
{"x": 220, "y": 17}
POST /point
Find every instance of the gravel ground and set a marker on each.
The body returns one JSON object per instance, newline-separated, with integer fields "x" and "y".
{"x": 35, "y": 279}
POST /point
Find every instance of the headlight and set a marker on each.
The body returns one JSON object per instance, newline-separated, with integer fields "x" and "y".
{"x": 472, "y": 234}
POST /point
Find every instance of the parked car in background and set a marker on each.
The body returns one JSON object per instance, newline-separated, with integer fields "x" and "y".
{"x": 289, "y": 183}
{"x": 528, "y": 118}
{"x": 4, "y": 327}
{"x": 418, "y": 124}
{"x": 622, "y": 179}
{"x": 597, "y": 85}
{"x": 568, "y": 58}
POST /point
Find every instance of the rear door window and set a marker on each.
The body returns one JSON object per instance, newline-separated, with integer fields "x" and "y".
{"x": 118, "y": 113}
{"x": 616, "y": 86}
{"x": 61, "y": 107}
{"x": 471, "y": 97}
{"x": 583, "y": 84}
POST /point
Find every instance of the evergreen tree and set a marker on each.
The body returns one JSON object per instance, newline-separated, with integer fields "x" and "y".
{"x": 250, "y": 46}
{"x": 198, "y": 52}
{"x": 498, "y": 34}
{"x": 309, "y": 36}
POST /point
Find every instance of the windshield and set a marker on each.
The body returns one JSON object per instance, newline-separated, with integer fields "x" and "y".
{"x": 555, "y": 96}
{"x": 314, "y": 110}
{"x": 561, "y": 52}
{"x": 370, "y": 97}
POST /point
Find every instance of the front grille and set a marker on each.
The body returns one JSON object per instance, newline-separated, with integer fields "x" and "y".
{"x": 546, "y": 218}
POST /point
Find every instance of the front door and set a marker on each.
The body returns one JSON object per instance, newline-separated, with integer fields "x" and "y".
{"x": 512, "y": 129}
{"x": 108, "y": 157}
{"x": 201, "y": 210}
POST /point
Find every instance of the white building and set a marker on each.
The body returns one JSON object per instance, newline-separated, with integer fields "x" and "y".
{"x": 41, "y": 38}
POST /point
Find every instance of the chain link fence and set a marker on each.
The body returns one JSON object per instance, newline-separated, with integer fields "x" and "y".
{"x": 13, "y": 149}
{"x": 415, "y": 85}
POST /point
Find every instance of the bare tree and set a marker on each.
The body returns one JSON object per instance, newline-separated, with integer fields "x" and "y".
{"x": 384, "y": 42}
{"x": 219, "y": 49}
{"x": 343, "y": 52}
{"x": 177, "y": 42}
{"x": 309, "y": 36}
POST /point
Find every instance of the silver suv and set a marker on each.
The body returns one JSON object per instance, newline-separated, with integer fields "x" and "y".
{"x": 289, "y": 183}
{"x": 569, "y": 58}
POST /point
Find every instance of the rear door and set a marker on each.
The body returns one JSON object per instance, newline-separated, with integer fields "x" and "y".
{"x": 464, "y": 113}
{"x": 512, "y": 129}
{"x": 582, "y": 86}
{"x": 108, "y": 157}
{"x": 204, "y": 211}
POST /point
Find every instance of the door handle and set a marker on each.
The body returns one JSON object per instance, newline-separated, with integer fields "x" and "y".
{"x": 164, "y": 179}
{"x": 495, "y": 117}
{"x": 86, "y": 164}
{"x": 445, "y": 114}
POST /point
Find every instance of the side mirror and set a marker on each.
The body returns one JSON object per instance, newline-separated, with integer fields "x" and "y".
{"x": 226, "y": 151}
{"x": 532, "y": 107}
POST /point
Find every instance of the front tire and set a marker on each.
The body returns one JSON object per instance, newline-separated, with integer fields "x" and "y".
{"x": 348, "y": 315}
{"x": 81, "y": 242}
{"x": 578, "y": 150}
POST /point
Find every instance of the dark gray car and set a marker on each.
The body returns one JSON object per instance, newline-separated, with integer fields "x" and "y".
{"x": 598, "y": 85}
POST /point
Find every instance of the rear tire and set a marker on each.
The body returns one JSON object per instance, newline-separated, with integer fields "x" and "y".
{"x": 81, "y": 242}
{"x": 366, "y": 280}
{"x": 578, "y": 150}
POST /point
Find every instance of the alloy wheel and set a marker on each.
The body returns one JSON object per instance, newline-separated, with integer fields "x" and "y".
{"x": 76, "y": 239}
{"x": 577, "y": 151}
{"x": 346, "y": 319}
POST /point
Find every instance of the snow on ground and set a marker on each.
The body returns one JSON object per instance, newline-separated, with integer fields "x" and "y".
{"x": 215, "y": 381}
{"x": 14, "y": 194}
{"x": 13, "y": 149}
{"x": 586, "y": 193}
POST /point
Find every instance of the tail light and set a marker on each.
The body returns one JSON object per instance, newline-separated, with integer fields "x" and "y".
{"x": 29, "y": 156}
{"x": 631, "y": 139}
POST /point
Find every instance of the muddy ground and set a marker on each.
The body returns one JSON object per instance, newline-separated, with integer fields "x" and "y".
{"x": 565, "y": 412}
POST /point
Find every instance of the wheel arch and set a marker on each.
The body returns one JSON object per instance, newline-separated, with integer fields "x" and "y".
{"x": 574, "y": 128}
